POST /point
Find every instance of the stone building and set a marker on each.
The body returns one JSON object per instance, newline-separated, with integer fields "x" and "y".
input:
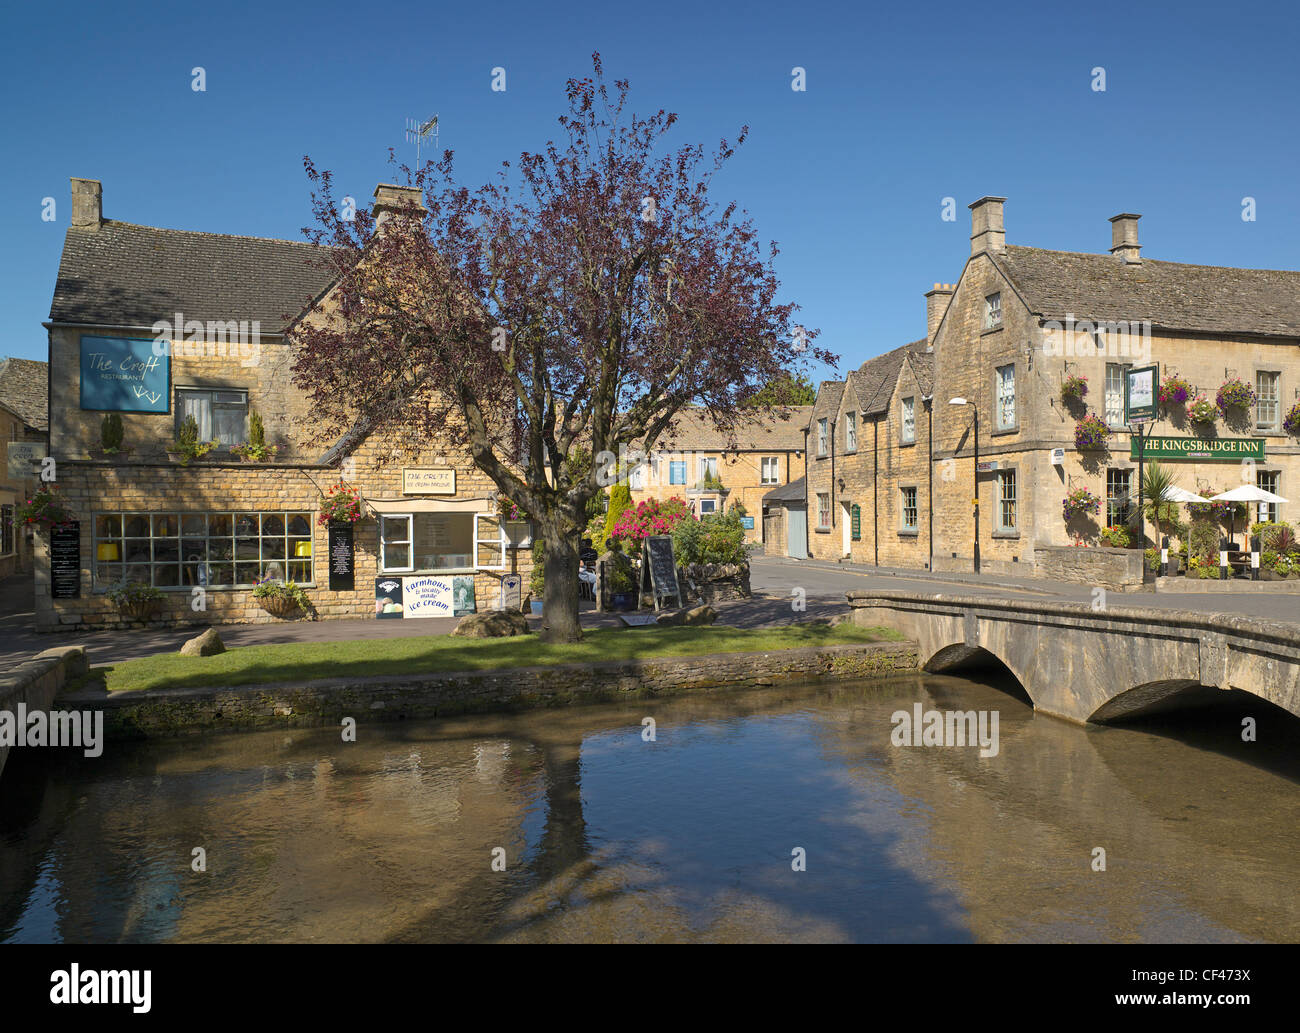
{"x": 24, "y": 390}
{"x": 892, "y": 477}
{"x": 157, "y": 325}
{"x": 712, "y": 469}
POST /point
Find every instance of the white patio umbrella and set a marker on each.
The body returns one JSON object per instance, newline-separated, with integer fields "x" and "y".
{"x": 1177, "y": 494}
{"x": 1246, "y": 493}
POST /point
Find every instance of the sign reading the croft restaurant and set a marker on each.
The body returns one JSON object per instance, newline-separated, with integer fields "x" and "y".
{"x": 1141, "y": 391}
{"x": 121, "y": 374}
{"x": 21, "y": 456}
{"x": 428, "y": 481}
{"x": 1230, "y": 449}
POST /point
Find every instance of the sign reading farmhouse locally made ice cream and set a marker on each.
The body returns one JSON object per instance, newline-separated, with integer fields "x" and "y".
{"x": 1228, "y": 449}
{"x": 120, "y": 374}
{"x": 428, "y": 481}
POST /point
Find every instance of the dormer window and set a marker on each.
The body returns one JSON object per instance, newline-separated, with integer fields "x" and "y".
{"x": 993, "y": 311}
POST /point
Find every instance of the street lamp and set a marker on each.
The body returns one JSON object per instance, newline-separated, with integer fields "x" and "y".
{"x": 963, "y": 401}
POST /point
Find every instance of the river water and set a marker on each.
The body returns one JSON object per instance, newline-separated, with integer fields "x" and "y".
{"x": 605, "y": 836}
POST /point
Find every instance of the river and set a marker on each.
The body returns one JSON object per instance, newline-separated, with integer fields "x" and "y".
{"x": 605, "y": 836}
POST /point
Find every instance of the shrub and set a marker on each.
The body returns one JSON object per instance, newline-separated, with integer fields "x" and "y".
{"x": 716, "y": 538}
{"x": 1090, "y": 432}
{"x": 275, "y": 589}
{"x": 620, "y": 501}
{"x": 1234, "y": 393}
{"x": 1116, "y": 537}
{"x": 188, "y": 444}
{"x": 1152, "y": 558}
{"x": 110, "y": 433}
{"x": 255, "y": 450}
{"x": 1203, "y": 541}
{"x": 1277, "y": 536}
{"x": 651, "y": 517}
{"x": 133, "y": 592}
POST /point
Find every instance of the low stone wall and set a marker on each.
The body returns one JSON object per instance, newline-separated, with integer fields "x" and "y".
{"x": 1233, "y": 586}
{"x": 180, "y": 711}
{"x": 715, "y": 583}
{"x": 1119, "y": 570}
{"x": 36, "y": 682}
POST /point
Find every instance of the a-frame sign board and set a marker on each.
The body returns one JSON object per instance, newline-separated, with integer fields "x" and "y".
{"x": 659, "y": 571}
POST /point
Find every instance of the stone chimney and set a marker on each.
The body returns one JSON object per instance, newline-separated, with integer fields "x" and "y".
{"x": 87, "y": 203}
{"x": 986, "y": 233}
{"x": 1124, "y": 238}
{"x": 391, "y": 199}
{"x": 936, "y": 304}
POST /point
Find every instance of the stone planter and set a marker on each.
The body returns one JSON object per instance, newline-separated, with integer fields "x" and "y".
{"x": 277, "y": 605}
{"x": 120, "y": 456}
{"x": 140, "y": 609}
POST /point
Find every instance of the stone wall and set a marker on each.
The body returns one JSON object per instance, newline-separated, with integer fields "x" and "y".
{"x": 36, "y": 682}
{"x": 179, "y": 711}
{"x": 715, "y": 582}
{"x": 1119, "y": 570}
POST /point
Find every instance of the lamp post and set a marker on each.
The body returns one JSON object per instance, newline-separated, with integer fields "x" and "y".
{"x": 975, "y": 410}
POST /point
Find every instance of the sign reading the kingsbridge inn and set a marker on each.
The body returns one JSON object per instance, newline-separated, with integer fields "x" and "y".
{"x": 428, "y": 481}
{"x": 1229, "y": 449}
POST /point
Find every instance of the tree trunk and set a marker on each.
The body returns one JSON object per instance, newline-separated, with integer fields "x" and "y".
{"x": 560, "y": 597}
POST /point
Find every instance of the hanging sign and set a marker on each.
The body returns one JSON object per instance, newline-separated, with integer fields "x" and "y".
{"x": 122, "y": 374}
{"x": 1141, "y": 387}
{"x": 22, "y": 454}
{"x": 1228, "y": 449}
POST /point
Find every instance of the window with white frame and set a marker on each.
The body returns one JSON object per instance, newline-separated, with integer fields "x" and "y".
{"x": 1267, "y": 384}
{"x": 1006, "y": 500}
{"x": 911, "y": 515}
{"x": 708, "y": 468}
{"x": 823, "y": 509}
{"x": 770, "y": 469}
{"x": 993, "y": 311}
{"x": 909, "y": 420}
{"x": 708, "y": 506}
{"x": 222, "y": 415}
{"x": 1268, "y": 480}
{"x": 210, "y": 550}
{"x": 1005, "y": 409}
{"x": 821, "y": 436}
{"x": 1119, "y": 504}
{"x": 441, "y": 542}
{"x": 850, "y": 432}
{"x": 1113, "y": 394}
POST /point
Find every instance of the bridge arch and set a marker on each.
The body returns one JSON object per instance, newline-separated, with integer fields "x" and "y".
{"x": 958, "y": 657}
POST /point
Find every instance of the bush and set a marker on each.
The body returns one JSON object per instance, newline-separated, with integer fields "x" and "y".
{"x": 1203, "y": 540}
{"x": 110, "y": 433}
{"x": 620, "y": 501}
{"x": 1152, "y": 557}
{"x": 188, "y": 443}
{"x": 1116, "y": 537}
{"x": 717, "y": 538}
{"x": 537, "y": 579}
{"x": 651, "y": 517}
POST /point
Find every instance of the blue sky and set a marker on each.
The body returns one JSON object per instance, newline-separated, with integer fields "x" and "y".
{"x": 904, "y": 106}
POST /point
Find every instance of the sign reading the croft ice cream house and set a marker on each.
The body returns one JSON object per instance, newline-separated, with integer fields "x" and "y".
{"x": 122, "y": 374}
{"x": 428, "y": 481}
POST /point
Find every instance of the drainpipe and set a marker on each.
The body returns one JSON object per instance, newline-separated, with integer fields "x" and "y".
{"x": 929, "y": 487}
{"x": 834, "y": 501}
{"x": 807, "y": 548}
{"x": 875, "y": 487}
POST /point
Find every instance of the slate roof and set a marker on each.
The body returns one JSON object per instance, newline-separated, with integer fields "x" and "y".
{"x": 873, "y": 381}
{"x": 1216, "y": 299}
{"x": 922, "y": 364}
{"x": 792, "y": 492}
{"x": 24, "y": 389}
{"x": 761, "y": 432}
{"x": 127, "y": 275}
{"x": 829, "y": 393}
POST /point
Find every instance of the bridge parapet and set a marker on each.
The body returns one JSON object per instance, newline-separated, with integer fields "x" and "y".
{"x": 1095, "y": 665}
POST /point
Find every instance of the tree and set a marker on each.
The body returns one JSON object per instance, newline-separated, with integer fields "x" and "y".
{"x": 620, "y": 500}
{"x": 1157, "y": 483}
{"x": 580, "y": 300}
{"x": 785, "y": 390}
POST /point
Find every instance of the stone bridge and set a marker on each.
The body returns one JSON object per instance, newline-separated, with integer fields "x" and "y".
{"x": 1096, "y": 665}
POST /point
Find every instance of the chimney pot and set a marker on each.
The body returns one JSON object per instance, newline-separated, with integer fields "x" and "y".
{"x": 1124, "y": 238}
{"x": 936, "y": 304}
{"x": 87, "y": 203}
{"x": 987, "y": 233}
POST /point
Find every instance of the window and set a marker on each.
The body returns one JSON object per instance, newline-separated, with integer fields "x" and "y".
{"x": 214, "y": 550}
{"x": 1006, "y": 397}
{"x": 708, "y": 506}
{"x": 6, "y": 530}
{"x": 1006, "y": 500}
{"x": 1114, "y": 394}
{"x": 221, "y": 415}
{"x": 850, "y": 432}
{"x": 909, "y": 420}
{"x": 821, "y": 436}
{"x": 677, "y": 471}
{"x": 910, "y": 515}
{"x": 770, "y": 469}
{"x": 992, "y": 311}
{"x": 1268, "y": 480}
{"x": 1266, "y": 408}
{"x": 1119, "y": 506}
{"x": 636, "y": 476}
{"x": 823, "y": 509}
{"x": 441, "y": 542}
{"x": 708, "y": 468}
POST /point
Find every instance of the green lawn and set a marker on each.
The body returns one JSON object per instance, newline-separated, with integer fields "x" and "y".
{"x": 305, "y": 661}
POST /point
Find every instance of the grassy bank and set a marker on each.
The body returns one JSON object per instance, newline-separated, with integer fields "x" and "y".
{"x": 370, "y": 658}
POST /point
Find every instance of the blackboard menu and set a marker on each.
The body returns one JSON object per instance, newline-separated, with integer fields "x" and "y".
{"x": 65, "y": 561}
{"x": 657, "y": 559}
{"x": 341, "y": 557}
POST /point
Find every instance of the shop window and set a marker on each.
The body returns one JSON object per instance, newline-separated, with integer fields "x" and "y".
{"x": 211, "y": 550}
{"x": 441, "y": 542}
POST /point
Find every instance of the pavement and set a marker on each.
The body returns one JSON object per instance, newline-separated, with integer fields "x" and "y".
{"x": 779, "y": 584}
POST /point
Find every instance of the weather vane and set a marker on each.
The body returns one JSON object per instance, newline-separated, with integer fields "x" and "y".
{"x": 420, "y": 132}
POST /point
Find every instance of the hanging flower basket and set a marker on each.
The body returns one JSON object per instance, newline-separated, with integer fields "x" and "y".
{"x": 342, "y": 502}
{"x": 1090, "y": 432}
{"x": 1079, "y": 503}
{"x": 1073, "y": 388}
{"x": 1291, "y": 421}
{"x": 1234, "y": 394}
{"x": 280, "y": 598}
{"x": 1203, "y": 411}
{"x": 45, "y": 509}
{"x": 1175, "y": 391}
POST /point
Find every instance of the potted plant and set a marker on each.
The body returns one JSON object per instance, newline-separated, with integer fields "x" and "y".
{"x": 1073, "y": 388}
{"x": 136, "y": 601}
{"x": 1234, "y": 394}
{"x": 1175, "y": 391}
{"x": 1291, "y": 421}
{"x": 537, "y": 579}
{"x": 255, "y": 449}
{"x": 110, "y": 438}
{"x": 45, "y": 509}
{"x": 280, "y": 598}
{"x": 341, "y": 503}
{"x": 1090, "y": 432}
{"x": 1115, "y": 536}
{"x": 187, "y": 447}
{"x": 1079, "y": 502}
{"x": 1203, "y": 411}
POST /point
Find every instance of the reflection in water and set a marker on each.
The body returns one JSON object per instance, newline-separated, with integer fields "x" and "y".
{"x": 607, "y": 837}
